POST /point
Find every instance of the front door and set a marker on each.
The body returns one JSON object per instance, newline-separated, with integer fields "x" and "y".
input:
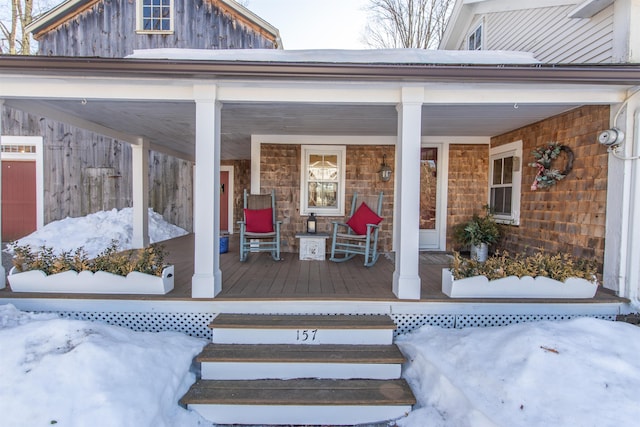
{"x": 429, "y": 199}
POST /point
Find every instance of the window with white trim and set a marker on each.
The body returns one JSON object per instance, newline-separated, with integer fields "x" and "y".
{"x": 155, "y": 16}
{"x": 322, "y": 180}
{"x": 474, "y": 40}
{"x": 505, "y": 179}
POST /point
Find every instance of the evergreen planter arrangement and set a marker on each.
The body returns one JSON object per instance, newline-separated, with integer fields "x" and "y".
{"x": 111, "y": 272}
{"x": 478, "y": 233}
{"x": 537, "y": 276}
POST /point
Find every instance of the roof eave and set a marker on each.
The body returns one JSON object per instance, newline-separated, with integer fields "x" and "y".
{"x": 627, "y": 74}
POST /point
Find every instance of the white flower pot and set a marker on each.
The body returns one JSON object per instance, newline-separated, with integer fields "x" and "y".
{"x": 515, "y": 287}
{"x": 480, "y": 252}
{"x": 87, "y": 282}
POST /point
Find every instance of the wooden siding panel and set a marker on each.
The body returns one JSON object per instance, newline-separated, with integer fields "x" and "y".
{"x": 86, "y": 172}
{"x": 108, "y": 29}
{"x": 550, "y": 35}
{"x": 171, "y": 188}
{"x": 570, "y": 216}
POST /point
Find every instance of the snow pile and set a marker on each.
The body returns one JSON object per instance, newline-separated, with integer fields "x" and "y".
{"x": 583, "y": 372}
{"x": 77, "y": 373}
{"x": 96, "y": 231}
{"x": 355, "y": 56}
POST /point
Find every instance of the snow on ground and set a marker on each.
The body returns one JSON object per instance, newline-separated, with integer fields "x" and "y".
{"x": 95, "y": 231}
{"x": 583, "y": 372}
{"x": 78, "y": 373}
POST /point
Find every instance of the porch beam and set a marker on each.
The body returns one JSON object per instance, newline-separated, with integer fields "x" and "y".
{"x": 406, "y": 278}
{"x": 251, "y": 90}
{"x": 57, "y": 87}
{"x": 207, "y": 277}
{"x": 140, "y": 183}
{"x": 459, "y": 93}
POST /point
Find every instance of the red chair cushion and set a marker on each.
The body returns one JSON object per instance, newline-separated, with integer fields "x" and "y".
{"x": 259, "y": 220}
{"x": 363, "y": 216}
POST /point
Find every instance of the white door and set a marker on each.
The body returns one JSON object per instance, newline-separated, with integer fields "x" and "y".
{"x": 430, "y": 195}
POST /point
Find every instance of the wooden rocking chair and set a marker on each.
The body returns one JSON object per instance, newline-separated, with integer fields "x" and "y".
{"x": 359, "y": 235}
{"x": 259, "y": 232}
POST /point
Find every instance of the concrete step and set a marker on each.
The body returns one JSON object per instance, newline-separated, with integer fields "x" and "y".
{"x": 287, "y": 361}
{"x": 302, "y": 329}
{"x": 300, "y": 401}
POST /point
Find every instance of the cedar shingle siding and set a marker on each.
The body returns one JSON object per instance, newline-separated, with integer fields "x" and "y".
{"x": 570, "y": 216}
{"x": 280, "y": 170}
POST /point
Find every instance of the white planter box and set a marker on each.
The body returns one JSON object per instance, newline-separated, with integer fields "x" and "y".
{"x": 87, "y": 282}
{"x": 514, "y": 287}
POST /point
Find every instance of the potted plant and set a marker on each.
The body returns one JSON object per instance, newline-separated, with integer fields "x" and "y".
{"x": 141, "y": 271}
{"x": 478, "y": 233}
{"x": 540, "y": 275}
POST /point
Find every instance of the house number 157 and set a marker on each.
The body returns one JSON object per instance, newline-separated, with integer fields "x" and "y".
{"x": 306, "y": 335}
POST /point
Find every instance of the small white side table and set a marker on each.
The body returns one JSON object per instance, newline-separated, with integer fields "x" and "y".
{"x": 313, "y": 247}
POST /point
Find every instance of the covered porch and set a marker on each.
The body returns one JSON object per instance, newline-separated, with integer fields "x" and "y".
{"x": 217, "y": 111}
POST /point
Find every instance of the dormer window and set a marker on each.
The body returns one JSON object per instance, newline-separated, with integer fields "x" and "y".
{"x": 474, "y": 41}
{"x": 155, "y": 16}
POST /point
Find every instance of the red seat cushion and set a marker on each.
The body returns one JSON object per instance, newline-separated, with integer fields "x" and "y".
{"x": 259, "y": 220}
{"x": 363, "y": 216}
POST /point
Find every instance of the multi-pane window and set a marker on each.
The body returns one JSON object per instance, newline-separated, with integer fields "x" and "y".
{"x": 474, "y": 41}
{"x": 156, "y": 15}
{"x": 505, "y": 178}
{"x": 502, "y": 185}
{"x": 322, "y": 180}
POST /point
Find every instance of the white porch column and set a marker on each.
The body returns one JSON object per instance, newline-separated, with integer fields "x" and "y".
{"x": 207, "y": 277}
{"x": 622, "y": 246}
{"x": 3, "y": 278}
{"x": 140, "y": 180}
{"x": 406, "y": 278}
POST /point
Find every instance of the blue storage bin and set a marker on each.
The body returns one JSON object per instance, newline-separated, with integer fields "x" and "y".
{"x": 224, "y": 244}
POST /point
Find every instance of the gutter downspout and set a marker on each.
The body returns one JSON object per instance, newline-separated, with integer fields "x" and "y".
{"x": 632, "y": 271}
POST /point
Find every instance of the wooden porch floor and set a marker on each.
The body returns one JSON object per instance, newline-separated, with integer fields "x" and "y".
{"x": 262, "y": 278}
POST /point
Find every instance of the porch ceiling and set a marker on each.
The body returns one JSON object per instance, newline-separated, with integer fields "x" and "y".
{"x": 172, "y": 124}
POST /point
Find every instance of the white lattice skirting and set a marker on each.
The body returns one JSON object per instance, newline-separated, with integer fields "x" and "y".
{"x": 196, "y": 324}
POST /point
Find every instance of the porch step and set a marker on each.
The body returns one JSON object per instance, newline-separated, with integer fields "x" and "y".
{"x": 300, "y": 401}
{"x": 302, "y": 329}
{"x": 290, "y": 369}
{"x": 286, "y": 361}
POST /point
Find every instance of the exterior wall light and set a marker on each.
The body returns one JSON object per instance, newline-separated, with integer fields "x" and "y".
{"x": 385, "y": 170}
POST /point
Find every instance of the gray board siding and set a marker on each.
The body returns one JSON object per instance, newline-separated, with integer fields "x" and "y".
{"x": 108, "y": 29}
{"x": 86, "y": 172}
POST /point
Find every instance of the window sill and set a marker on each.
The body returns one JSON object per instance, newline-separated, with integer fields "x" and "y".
{"x": 161, "y": 32}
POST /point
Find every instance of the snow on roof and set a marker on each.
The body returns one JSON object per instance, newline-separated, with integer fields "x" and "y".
{"x": 364, "y": 56}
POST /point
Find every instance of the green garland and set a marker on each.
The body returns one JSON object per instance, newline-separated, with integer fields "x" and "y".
{"x": 544, "y": 156}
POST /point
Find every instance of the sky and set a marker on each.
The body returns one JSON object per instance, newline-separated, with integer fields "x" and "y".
{"x": 315, "y": 24}
{"x": 582, "y": 372}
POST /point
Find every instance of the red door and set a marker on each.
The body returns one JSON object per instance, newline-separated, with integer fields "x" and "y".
{"x": 224, "y": 201}
{"x": 18, "y": 199}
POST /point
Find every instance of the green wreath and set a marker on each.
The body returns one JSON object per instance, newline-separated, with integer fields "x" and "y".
{"x": 544, "y": 156}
